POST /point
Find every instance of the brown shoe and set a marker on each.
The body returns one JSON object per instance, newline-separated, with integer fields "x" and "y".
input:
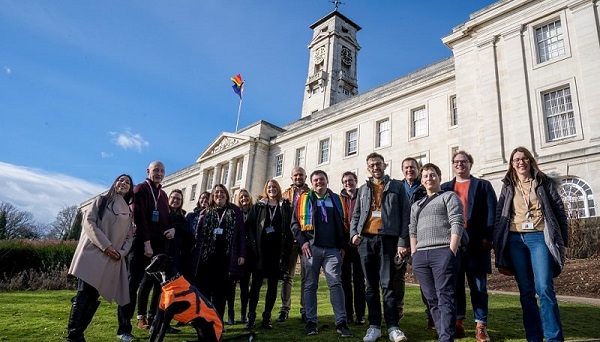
{"x": 143, "y": 323}
{"x": 481, "y": 333}
{"x": 430, "y": 323}
{"x": 460, "y": 329}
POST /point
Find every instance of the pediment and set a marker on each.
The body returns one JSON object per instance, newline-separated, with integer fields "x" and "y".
{"x": 224, "y": 142}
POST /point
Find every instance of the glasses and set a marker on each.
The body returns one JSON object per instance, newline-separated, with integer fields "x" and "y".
{"x": 349, "y": 180}
{"x": 461, "y": 162}
{"x": 520, "y": 160}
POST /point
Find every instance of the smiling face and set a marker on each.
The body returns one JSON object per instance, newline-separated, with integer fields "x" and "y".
{"x": 244, "y": 198}
{"x": 220, "y": 196}
{"x": 349, "y": 183}
{"x": 522, "y": 165}
{"x": 122, "y": 185}
{"x": 203, "y": 200}
{"x": 376, "y": 167}
{"x": 272, "y": 190}
{"x": 175, "y": 200}
{"x": 430, "y": 180}
{"x": 461, "y": 166}
{"x": 299, "y": 176}
{"x": 156, "y": 172}
{"x": 319, "y": 183}
{"x": 410, "y": 170}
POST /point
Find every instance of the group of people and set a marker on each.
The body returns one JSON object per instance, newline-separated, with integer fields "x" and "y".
{"x": 362, "y": 239}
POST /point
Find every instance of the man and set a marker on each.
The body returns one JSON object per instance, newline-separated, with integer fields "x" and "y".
{"x": 479, "y": 206}
{"x": 151, "y": 217}
{"x": 318, "y": 227}
{"x": 415, "y": 191}
{"x": 352, "y": 273}
{"x": 380, "y": 230}
{"x": 292, "y": 194}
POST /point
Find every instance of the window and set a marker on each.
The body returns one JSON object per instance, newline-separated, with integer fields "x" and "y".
{"x": 183, "y": 192}
{"x": 323, "y": 151}
{"x": 453, "y": 111}
{"x": 578, "y": 198}
{"x": 419, "y": 122}
{"x": 383, "y": 133}
{"x": 225, "y": 173}
{"x": 558, "y": 112}
{"x": 279, "y": 165}
{"x": 193, "y": 193}
{"x": 351, "y": 142}
{"x": 300, "y": 153}
{"x": 209, "y": 179}
{"x": 240, "y": 169}
{"x": 550, "y": 41}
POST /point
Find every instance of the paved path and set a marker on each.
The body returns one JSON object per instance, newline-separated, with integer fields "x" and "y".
{"x": 572, "y": 299}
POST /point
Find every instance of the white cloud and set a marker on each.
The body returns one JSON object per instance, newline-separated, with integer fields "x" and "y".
{"x": 43, "y": 193}
{"x": 129, "y": 141}
{"x": 106, "y": 155}
{"x": 7, "y": 70}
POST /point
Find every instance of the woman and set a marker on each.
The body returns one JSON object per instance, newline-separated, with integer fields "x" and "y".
{"x": 99, "y": 262}
{"x": 175, "y": 247}
{"x": 244, "y": 201}
{"x": 220, "y": 246}
{"x": 529, "y": 242}
{"x": 436, "y": 227}
{"x": 191, "y": 219}
{"x": 270, "y": 242}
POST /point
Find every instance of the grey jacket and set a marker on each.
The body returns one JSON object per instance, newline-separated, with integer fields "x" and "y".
{"x": 395, "y": 210}
{"x": 556, "y": 231}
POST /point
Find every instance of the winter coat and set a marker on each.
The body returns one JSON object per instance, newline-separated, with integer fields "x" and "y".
{"x": 90, "y": 264}
{"x": 556, "y": 231}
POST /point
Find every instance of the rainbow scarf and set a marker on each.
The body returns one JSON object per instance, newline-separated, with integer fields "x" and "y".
{"x": 305, "y": 212}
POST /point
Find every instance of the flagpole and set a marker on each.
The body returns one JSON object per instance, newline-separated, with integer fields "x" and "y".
{"x": 238, "y": 116}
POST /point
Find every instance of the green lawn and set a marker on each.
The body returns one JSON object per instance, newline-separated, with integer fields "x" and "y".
{"x": 43, "y": 315}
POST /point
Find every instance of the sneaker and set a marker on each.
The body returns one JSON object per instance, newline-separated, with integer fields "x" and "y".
{"x": 373, "y": 333}
{"x": 343, "y": 330}
{"x": 126, "y": 337}
{"x": 311, "y": 329}
{"x": 459, "y": 331}
{"x": 283, "y": 316}
{"x": 396, "y": 335}
{"x": 142, "y": 322}
{"x": 481, "y": 333}
{"x": 359, "y": 321}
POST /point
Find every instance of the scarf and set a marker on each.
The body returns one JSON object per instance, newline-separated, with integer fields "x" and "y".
{"x": 209, "y": 238}
{"x": 305, "y": 211}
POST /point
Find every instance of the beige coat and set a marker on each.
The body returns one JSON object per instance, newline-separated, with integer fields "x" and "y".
{"x": 90, "y": 264}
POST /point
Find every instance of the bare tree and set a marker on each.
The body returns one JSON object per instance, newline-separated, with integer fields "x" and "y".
{"x": 17, "y": 224}
{"x": 62, "y": 224}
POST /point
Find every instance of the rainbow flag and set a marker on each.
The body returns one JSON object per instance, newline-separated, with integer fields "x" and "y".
{"x": 237, "y": 87}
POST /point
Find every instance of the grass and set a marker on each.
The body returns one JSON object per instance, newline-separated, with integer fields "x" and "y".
{"x": 43, "y": 315}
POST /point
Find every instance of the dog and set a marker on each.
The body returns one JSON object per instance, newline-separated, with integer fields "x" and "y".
{"x": 181, "y": 301}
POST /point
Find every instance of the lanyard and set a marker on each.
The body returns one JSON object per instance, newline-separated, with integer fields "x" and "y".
{"x": 220, "y": 218}
{"x": 528, "y": 199}
{"x": 153, "y": 195}
{"x": 272, "y": 213}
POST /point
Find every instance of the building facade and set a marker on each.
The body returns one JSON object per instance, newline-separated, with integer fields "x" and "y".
{"x": 522, "y": 73}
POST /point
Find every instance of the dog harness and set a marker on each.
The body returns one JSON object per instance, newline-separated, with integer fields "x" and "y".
{"x": 180, "y": 290}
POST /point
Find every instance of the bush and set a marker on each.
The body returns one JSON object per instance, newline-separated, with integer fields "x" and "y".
{"x": 584, "y": 237}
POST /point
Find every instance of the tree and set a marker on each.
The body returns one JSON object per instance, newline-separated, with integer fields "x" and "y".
{"x": 62, "y": 224}
{"x": 75, "y": 230}
{"x": 2, "y": 225}
{"x": 19, "y": 224}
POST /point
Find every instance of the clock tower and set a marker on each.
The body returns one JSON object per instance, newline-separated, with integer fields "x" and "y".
{"x": 332, "y": 63}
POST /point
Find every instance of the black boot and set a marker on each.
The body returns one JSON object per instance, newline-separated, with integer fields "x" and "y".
{"x": 74, "y": 328}
{"x": 251, "y": 321}
{"x": 266, "y": 320}
{"x": 89, "y": 311}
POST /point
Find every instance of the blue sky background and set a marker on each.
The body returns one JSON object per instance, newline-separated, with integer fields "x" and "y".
{"x": 93, "y": 89}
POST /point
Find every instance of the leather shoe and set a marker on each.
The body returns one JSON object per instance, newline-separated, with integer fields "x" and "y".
{"x": 481, "y": 333}
{"x": 460, "y": 329}
{"x": 283, "y": 316}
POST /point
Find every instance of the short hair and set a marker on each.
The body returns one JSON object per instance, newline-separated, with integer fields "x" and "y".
{"x": 211, "y": 201}
{"x": 295, "y": 168}
{"x": 349, "y": 173}
{"x": 317, "y": 172}
{"x": 431, "y": 166}
{"x": 279, "y": 194}
{"x": 411, "y": 159}
{"x": 373, "y": 155}
{"x": 464, "y": 153}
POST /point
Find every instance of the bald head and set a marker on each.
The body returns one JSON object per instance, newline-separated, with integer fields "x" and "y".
{"x": 298, "y": 176}
{"x": 156, "y": 172}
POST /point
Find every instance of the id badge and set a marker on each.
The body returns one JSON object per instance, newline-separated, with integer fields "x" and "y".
{"x": 527, "y": 225}
{"x": 154, "y": 215}
{"x": 218, "y": 231}
{"x": 270, "y": 229}
{"x": 376, "y": 213}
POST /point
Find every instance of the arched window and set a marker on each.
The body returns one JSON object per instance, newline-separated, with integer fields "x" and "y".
{"x": 578, "y": 198}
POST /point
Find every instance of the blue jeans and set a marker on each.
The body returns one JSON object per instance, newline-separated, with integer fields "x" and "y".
{"x": 330, "y": 260}
{"x": 477, "y": 281}
{"x": 436, "y": 270}
{"x": 533, "y": 266}
{"x": 377, "y": 258}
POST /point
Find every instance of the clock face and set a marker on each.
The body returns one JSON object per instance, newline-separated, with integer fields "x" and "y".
{"x": 319, "y": 55}
{"x": 346, "y": 56}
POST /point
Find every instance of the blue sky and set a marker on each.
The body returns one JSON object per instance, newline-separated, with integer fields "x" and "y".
{"x": 93, "y": 89}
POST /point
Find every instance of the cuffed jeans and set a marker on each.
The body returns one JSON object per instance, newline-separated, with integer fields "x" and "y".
{"x": 288, "y": 279}
{"x": 533, "y": 266}
{"x": 436, "y": 270}
{"x": 330, "y": 260}
{"x": 477, "y": 281}
{"x": 377, "y": 254}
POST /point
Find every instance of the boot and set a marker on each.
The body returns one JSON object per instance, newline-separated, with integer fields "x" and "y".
{"x": 251, "y": 321}
{"x": 88, "y": 313}
{"x": 266, "y": 320}
{"x": 74, "y": 328}
{"x": 460, "y": 328}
